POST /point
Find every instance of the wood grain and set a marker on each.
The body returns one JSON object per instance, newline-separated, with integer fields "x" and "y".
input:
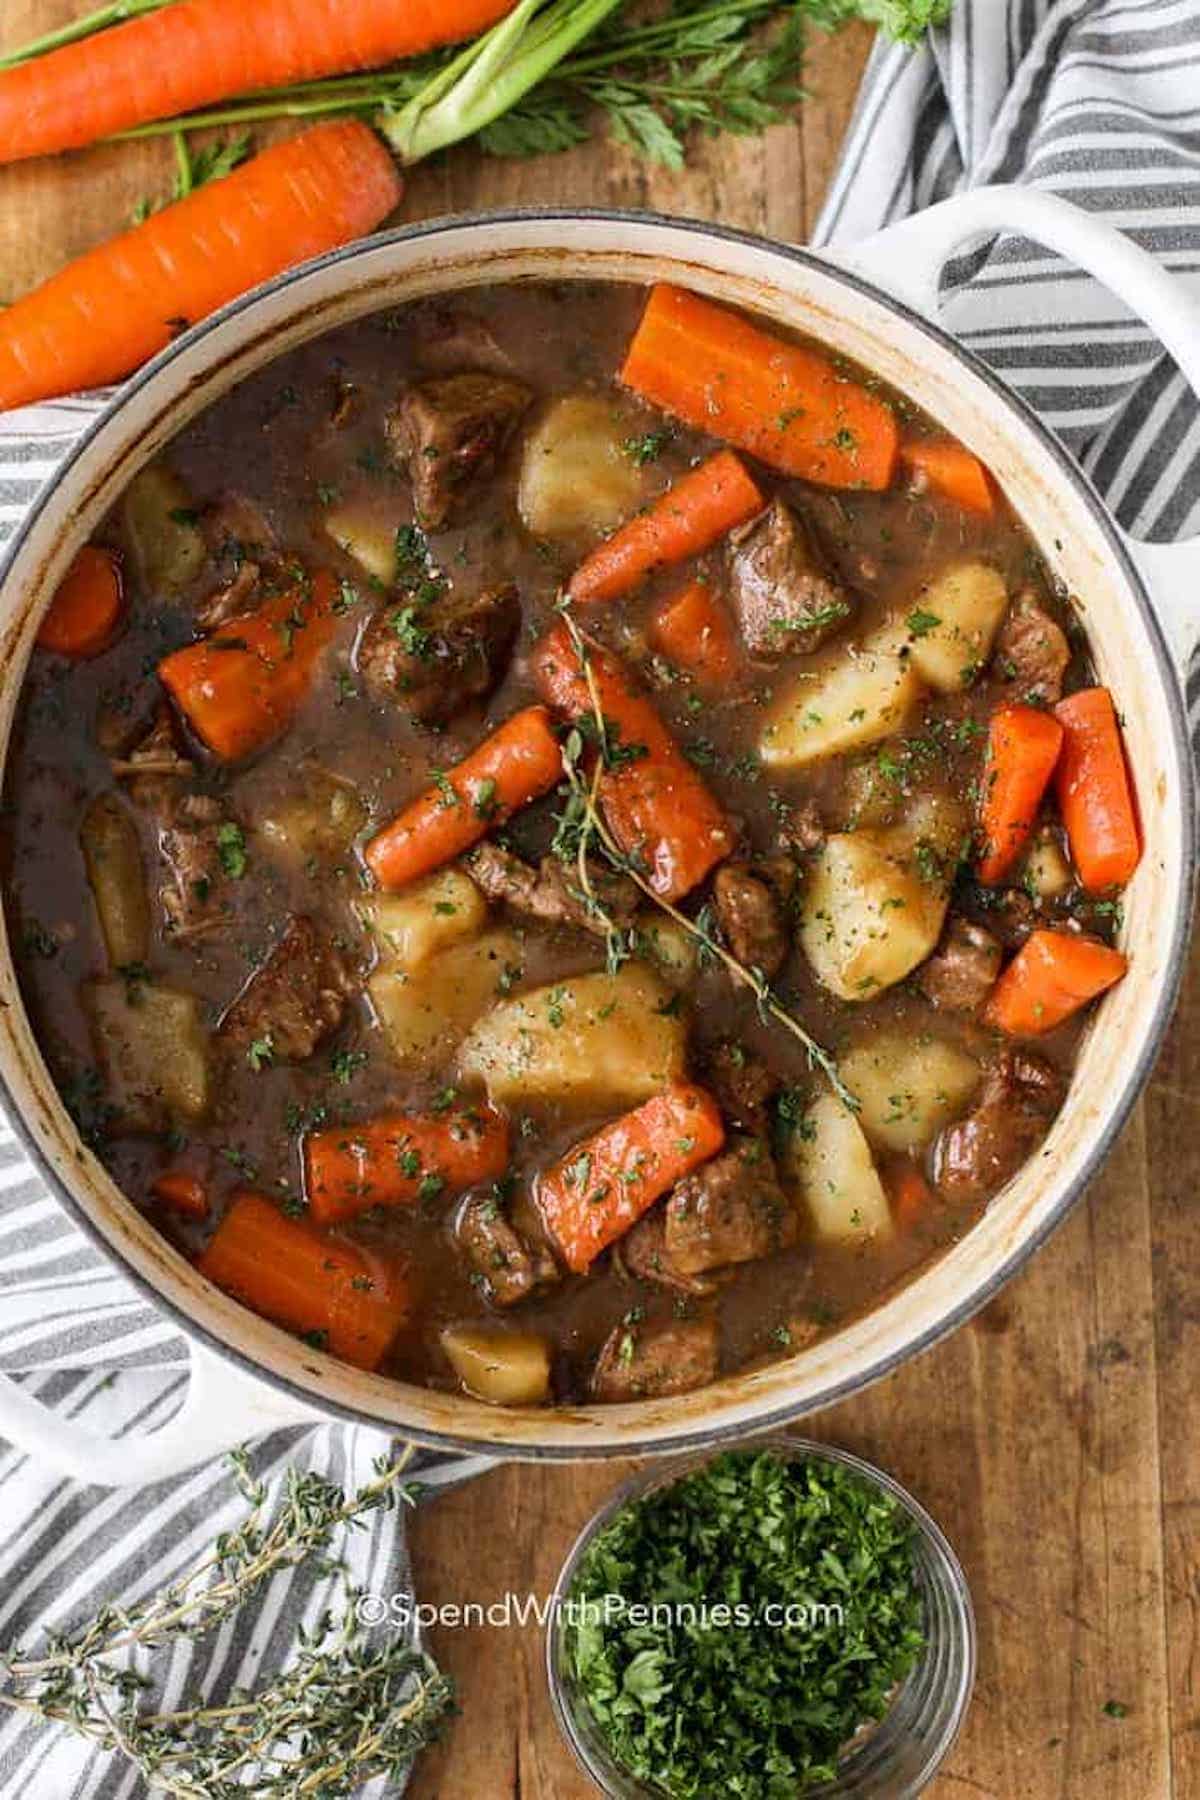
{"x": 1055, "y": 1437}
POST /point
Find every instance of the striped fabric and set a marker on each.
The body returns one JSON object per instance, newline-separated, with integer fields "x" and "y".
{"x": 1098, "y": 100}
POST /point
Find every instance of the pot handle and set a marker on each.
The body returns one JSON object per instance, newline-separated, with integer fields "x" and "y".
{"x": 907, "y": 259}
{"x": 223, "y": 1408}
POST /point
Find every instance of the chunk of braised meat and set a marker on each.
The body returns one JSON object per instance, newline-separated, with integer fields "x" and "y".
{"x": 642, "y": 1253}
{"x": 449, "y": 430}
{"x": 1009, "y": 914}
{"x": 786, "y": 601}
{"x": 1031, "y": 652}
{"x": 439, "y": 657}
{"x": 295, "y": 999}
{"x": 743, "y": 1085}
{"x": 507, "y": 1267}
{"x": 962, "y": 971}
{"x": 646, "y": 1361}
{"x": 802, "y": 831}
{"x": 1018, "y": 1101}
{"x": 447, "y": 339}
{"x": 190, "y": 827}
{"x": 553, "y": 891}
{"x": 751, "y": 919}
{"x": 245, "y": 552}
{"x": 731, "y": 1210}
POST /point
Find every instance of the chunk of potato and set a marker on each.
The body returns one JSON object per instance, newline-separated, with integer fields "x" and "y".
{"x": 425, "y": 1012}
{"x": 1047, "y": 871}
{"x": 113, "y": 858}
{"x": 153, "y": 1050}
{"x": 831, "y": 1165}
{"x": 862, "y": 696}
{"x": 428, "y": 916}
{"x": 322, "y": 819}
{"x": 667, "y": 946}
{"x": 577, "y": 478}
{"x": 869, "y": 913}
{"x": 509, "y": 1368}
{"x": 953, "y": 623}
{"x": 160, "y": 524}
{"x": 368, "y": 536}
{"x": 587, "y": 1042}
{"x": 907, "y": 1087}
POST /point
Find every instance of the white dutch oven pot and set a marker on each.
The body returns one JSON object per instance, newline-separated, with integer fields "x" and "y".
{"x": 1141, "y": 606}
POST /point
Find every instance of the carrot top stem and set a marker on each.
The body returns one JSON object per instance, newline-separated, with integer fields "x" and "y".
{"x": 100, "y": 20}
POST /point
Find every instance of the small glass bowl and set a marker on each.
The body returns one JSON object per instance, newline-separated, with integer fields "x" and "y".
{"x": 895, "y": 1759}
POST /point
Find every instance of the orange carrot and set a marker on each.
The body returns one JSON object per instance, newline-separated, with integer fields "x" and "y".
{"x": 517, "y": 764}
{"x": 242, "y": 687}
{"x": 346, "y": 1300}
{"x": 1023, "y": 748}
{"x": 701, "y": 507}
{"x": 84, "y": 612}
{"x": 1052, "y": 975}
{"x": 695, "y": 632}
{"x": 654, "y": 801}
{"x": 200, "y": 51}
{"x": 789, "y": 406}
{"x": 953, "y": 473}
{"x": 182, "y": 1192}
{"x": 400, "y": 1159}
{"x": 1095, "y": 796}
{"x": 105, "y": 313}
{"x": 911, "y": 1196}
{"x": 604, "y": 1185}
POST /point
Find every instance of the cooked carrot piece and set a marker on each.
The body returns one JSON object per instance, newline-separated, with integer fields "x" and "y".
{"x": 952, "y": 473}
{"x": 84, "y": 613}
{"x": 696, "y": 633}
{"x": 182, "y": 1192}
{"x": 199, "y": 51}
{"x": 242, "y": 687}
{"x": 119, "y": 304}
{"x": 1095, "y": 795}
{"x": 655, "y": 802}
{"x": 911, "y": 1197}
{"x": 400, "y": 1159}
{"x": 1023, "y": 749}
{"x": 349, "y": 1302}
{"x": 604, "y": 1185}
{"x": 789, "y": 406}
{"x": 1052, "y": 975}
{"x": 517, "y": 764}
{"x": 690, "y": 516}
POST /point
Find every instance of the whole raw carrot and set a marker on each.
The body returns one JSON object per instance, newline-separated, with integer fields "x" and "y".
{"x": 517, "y": 764}
{"x": 603, "y": 1186}
{"x": 85, "y": 611}
{"x": 199, "y": 51}
{"x": 655, "y": 802}
{"x": 341, "y": 1297}
{"x": 400, "y": 1159}
{"x": 951, "y": 472}
{"x": 1023, "y": 748}
{"x": 1052, "y": 975}
{"x": 693, "y": 629}
{"x": 789, "y": 406}
{"x": 241, "y": 688}
{"x": 700, "y": 508}
{"x": 1094, "y": 792}
{"x": 105, "y": 313}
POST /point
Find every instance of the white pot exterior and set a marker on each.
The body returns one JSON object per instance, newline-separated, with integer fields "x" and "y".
{"x": 289, "y": 1380}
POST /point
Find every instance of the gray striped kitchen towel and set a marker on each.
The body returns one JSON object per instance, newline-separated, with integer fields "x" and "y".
{"x": 1098, "y": 100}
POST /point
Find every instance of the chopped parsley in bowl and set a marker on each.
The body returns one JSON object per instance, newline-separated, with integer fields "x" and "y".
{"x": 765, "y": 1623}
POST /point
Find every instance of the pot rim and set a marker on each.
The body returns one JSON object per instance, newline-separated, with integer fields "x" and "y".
{"x": 702, "y": 1436}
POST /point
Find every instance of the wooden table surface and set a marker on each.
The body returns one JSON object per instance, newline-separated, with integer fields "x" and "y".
{"x": 1055, "y": 1437}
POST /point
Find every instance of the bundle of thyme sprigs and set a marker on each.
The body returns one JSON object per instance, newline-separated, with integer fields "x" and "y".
{"x": 343, "y": 1711}
{"x": 582, "y": 833}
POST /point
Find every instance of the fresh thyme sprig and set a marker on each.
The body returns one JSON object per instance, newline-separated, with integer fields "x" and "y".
{"x": 594, "y": 832}
{"x": 340, "y": 1713}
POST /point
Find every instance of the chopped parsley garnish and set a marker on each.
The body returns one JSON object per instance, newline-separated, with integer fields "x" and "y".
{"x": 649, "y": 447}
{"x": 231, "y": 848}
{"x": 345, "y": 1064}
{"x": 921, "y": 623}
